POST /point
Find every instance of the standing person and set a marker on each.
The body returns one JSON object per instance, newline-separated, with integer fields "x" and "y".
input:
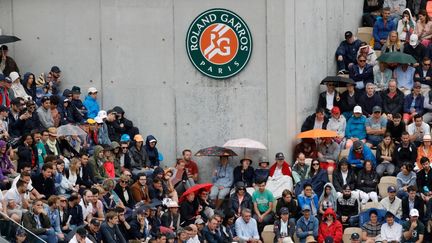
{"x": 38, "y": 223}
{"x": 191, "y": 166}
{"x": 413, "y": 229}
{"x": 330, "y": 227}
{"x": 246, "y": 227}
{"x": 110, "y": 230}
{"x": 307, "y": 225}
{"x": 223, "y": 178}
{"x": 91, "y": 103}
{"x": 263, "y": 205}
{"x": 346, "y": 52}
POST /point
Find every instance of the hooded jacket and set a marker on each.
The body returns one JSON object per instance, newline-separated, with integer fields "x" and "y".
{"x": 366, "y": 155}
{"x": 32, "y": 90}
{"x": 98, "y": 169}
{"x": 332, "y": 197}
{"x": 152, "y": 153}
{"x": 356, "y": 127}
{"x": 410, "y": 27}
{"x": 92, "y": 106}
{"x": 68, "y": 114}
{"x": 333, "y": 230}
{"x": 139, "y": 158}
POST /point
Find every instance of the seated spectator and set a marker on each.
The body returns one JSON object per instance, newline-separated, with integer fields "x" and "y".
{"x": 240, "y": 199}
{"x": 262, "y": 172}
{"x": 93, "y": 230}
{"x": 343, "y": 175}
{"x": 393, "y": 43}
{"x": 369, "y": 100}
{"x": 139, "y": 190}
{"x": 423, "y": 28}
{"x": 356, "y": 128}
{"x": 329, "y": 98}
{"x": 406, "y": 26}
{"x": 287, "y": 201}
{"x": 191, "y": 166}
{"x": 424, "y": 150}
{"x": 392, "y": 100}
{"x": 16, "y": 201}
{"x": 228, "y": 228}
{"x": 37, "y": 222}
{"x": 122, "y": 189}
{"x": 189, "y": 210}
{"x": 417, "y": 130}
{"x": 26, "y": 152}
{"x": 76, "y": 101}
{"x": 384, "y": 156}
{"x": 391, "y": 231}
{"x": 44, "y": 113}
{"x": 307, "y": 225}
{"x": 330, "y": 227}
{"x": 210, "y": 233}
{"x": 110, "y": 230}
{"x": 395, "y": 127}
{"x": 413, "y": 104}
{"x": 371, "y": 10}
{"x": 358, "y": 154}
{"x": 17, "y": 88}
{"x": 424, "y": 180}
{"x": 405, "y": 178}
{"x": 280, "y": 167}
{"x": 348, "y": 207}
{"x": 413, "y": 229}
{"x": 96, "y": 162}
{"x": 156, "y": 190}
{"x": 327, "y": 199}
{"x": 368, "y": 52}
{"x": 113, "y": 127}
{"x": 337, "y": 123}
{"x": 412, "y": 201}
{"x": 263, "y": 205}
{"x": 371, "y": 230}
{"x": 392, "y": 203}
{"x": 223, "y": 178}
{"x": 179, "y": 178}
{"x": 300, "y": 169}
{"x": 140, "y": 162}
{"x": 308, "y": 147}
{"x": 152, "y": 151}
{"x": 283, "y": 228}
{"x": 80, "y": 236}
{"x": 244, "y": 172}
{"x": 126, "y": 124}
{"x": 404, "y": 75}
{"x": 375, "y": 127}
{"x": 346, "y": 53}
{"x": 382, "y": 76}
{"x": 8, "y": 63}
{"x": 405, "y": 151}
{"x": 382, "y": 28}
{"x": 171, "y": 218}
{"x": 349, "y": 99}
{"x": 43, "y": 182}
{"x": 315, "y": 121}
{"x": 328, "y": 151}
{"x": 309, "y": 198}
{"x": 139, "y": 227}
{"x": 415, "y": 49}
{"x": 361, "y": 73}
{"x": 423, "y": 74}
{"x": 91, "y": 103}
{"x": 124, "y": 156}
{"x": 68, "y": 113}
{"x": 54, "y": 216}
{"x": 246, "y": 227}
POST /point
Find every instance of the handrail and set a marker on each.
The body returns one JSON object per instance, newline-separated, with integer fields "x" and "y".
{"x": 22, "y": 226}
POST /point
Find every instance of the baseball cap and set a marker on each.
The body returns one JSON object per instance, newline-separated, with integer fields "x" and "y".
{"x": 284, "y": 210}
{"x": 357, "y": 144}
{"x": 306, "y": 208}
{"x": 102, "y": 114}
{"x": 138, "y": 138}
{"x": 357, "y": 109}
{"x": 348, "y": 35}
{"x": 414, "y": 213}
{"x": 335, "y": 110}
{"x": 95, "y": 222}
{"x": 355, "y": 236}
{"x": 391, "y": 189}
{"x": 199, "y": 221}
{"x": 280, "y": 156}
{"x": 92, "y": 90}
{"x": 91, "y": 121}
{"x": 76, "y": 90}
{"x": 55, "y": 69}
{"x": 413, "y": 40}
{"x": 376, "y": 109}
{"x": 125, "y": 138}
{"x": 98, "y": 120}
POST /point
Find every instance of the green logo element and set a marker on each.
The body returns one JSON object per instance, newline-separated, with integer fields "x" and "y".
{"x": 219, "y": 43}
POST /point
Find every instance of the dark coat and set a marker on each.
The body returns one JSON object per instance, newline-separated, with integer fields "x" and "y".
{"x": 25, "y": 156}
{"x": 293, "y": 208}
{"x": 418, "y": 53}
{"x": 114, "y": 130}
{"x": 44, "y": 186}
{"x": 367, "y": 181}
{"x": 134, "y": 232}
{"x": 308, "y": 124}
{"x": 87, "y": 176}
{"x": 246, "y": 203}
{"x": 418, "y": 204}
{"x": 277, "y": 230}
{"x": 188, "y": 212}
{"x": 424, "y": 180}
{"x": 77, "y": 215}
{"x": 245, "y": 176}
{"x": 338, "y": 180}
{"x": 32, "y": 90}
{"x": 69, "y": 114}
{"x": 419, "y": 104}
{"x": 348, "y": 51}
{"x": 131, "y": 202}
{"x": 345, "y": 106}
{"x": 167, "y": 218}
{"x": 152, "y": 153}
{"x": 367, "y": 103}
{"x": 392, "y": 105}
{"x": 211, "y": 237}
{"x": 322, "y": 101}
{"x": 30, "y": 223}
{"x": 402, "y": 154}
{"x": 421, "y": 78}
{"x": 366, "y": 76}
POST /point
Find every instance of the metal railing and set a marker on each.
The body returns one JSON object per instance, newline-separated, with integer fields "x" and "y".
{"x": 22, "y": 226}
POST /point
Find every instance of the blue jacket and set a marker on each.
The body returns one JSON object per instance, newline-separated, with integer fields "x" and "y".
{"x": 303, "y": 200}
{"x": 92, "y": 107}
{"x": 381, "y": 32}
{"x": 303, "y": 228}
{"x": 348, "y": 51}
{"x": 419, "y": 104}
{"x": 367, "y": 155}
{"x": 356, "y": 127}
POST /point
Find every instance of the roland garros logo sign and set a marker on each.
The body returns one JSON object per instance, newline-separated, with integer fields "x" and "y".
{"x": 219, "y": 43}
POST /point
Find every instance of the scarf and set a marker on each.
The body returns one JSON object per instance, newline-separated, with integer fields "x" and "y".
{"x": 52, "y": 145}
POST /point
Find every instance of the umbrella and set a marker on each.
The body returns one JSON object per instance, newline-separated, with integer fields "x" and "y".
{"x": 244, "y": 143}
{"x": 195, "y": 189}
{"x": 8, "y": 39}
{"x": 215, "y": 151}
{"x": 396, "y": 57}
{"x": 338, "y": 80}
{"x": 69, "y": 129}
{"x": 317, "y": 133}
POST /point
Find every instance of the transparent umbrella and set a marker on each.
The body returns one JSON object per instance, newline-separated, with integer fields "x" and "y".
{"x": 70, "y": 130}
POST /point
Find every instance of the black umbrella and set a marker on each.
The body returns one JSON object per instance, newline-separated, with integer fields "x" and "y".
{"x": 338, "y": 80}
{"x": 8, "y": 39}
{"x": 215, "y": 151}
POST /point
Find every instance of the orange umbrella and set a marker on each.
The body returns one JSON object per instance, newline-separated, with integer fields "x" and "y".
{"x": 317, "y": 133}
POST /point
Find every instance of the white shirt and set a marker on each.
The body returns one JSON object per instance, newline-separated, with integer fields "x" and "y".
{"x": 424, "y": 128}
{"x": 193, "y": 240}
{"x": 74, "y": 240}
{"x": 329, "y": 100}
{"x": 86, "y": 209}
{"x": 13, "y": 194}
{"x": 278, "y": 172}
{"x": 29, "y": 186}
{"x": 391, "y": 233}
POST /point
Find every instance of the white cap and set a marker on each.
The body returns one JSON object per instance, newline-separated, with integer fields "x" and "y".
{"x": 357, "y": 109}
{"x": 98, "y": 119}
{"x": 102, "y": 114}
{"x": 92, "y": 90}
{"x": 414, "y": 213}
{"x": 13, "y": 76}
{"x": 172, "y": 204}
{"x": 413, "y": 40}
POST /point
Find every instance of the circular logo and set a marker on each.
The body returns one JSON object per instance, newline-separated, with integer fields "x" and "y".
{"x": 219, "y": 43}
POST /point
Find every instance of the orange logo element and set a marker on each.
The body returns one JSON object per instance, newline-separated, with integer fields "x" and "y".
{"x": 219, "y": 43}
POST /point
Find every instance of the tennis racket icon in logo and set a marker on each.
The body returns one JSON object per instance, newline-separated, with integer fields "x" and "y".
{"x": 219, "y": 43}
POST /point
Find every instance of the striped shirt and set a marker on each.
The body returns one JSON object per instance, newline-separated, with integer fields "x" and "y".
{"x": 372, "y": 230}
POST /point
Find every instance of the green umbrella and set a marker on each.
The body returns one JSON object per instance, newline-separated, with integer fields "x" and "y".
{"x": 396, "y": 57}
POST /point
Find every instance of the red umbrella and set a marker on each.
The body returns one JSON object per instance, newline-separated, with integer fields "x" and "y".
{"x": 195, "y": 189}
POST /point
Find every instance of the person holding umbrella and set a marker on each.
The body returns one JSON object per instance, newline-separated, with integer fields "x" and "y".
{"x": 223, "y": 178}
{"x": 7, "y": 63}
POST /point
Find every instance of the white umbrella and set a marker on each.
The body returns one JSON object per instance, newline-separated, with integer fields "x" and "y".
{"x": 244, "y": 143}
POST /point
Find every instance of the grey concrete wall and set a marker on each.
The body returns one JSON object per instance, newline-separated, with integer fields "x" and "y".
{"x": 134, "y": 52}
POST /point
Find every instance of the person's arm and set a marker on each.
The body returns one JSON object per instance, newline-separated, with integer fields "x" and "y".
{"x": 299, "y": 231}
{"x": 316, "y": 226}
{"x": 270, "y": 209}
{"x": 256, "y": 210}
{"x": 239, "y": 230}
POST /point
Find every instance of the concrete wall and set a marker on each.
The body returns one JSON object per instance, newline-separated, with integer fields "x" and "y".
{"x": 134, "y": 52}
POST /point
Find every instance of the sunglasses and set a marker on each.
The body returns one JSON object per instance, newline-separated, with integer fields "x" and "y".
{"x": 124, "y": 147}
{"x": 426, "y": 64}
{"x": 361, "y": 60}
{"x": 123, "y": 182}
{"x": 315, "y": 164}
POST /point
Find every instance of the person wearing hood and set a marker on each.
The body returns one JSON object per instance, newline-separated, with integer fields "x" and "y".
{"x": 29, "y": 84}
{"x": 358, "y": 154}
{"x": 152, "y": 151}
{"x": 368, "y": 52}
{"x": 125, "y": 123}
{"x": 406, "y": 26}
{"x": 91, "y": 103}
{"x": 140, "y": 162}
{"x": 17, "y": 88}
{"x": 114, "y": 129}
{"x": 330, "y": 227}
{"x": 328, "y": 198}
{"x": 68, "y": 114}
{"x": 96, "y": 162}
{"x": 102, "y": 128}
